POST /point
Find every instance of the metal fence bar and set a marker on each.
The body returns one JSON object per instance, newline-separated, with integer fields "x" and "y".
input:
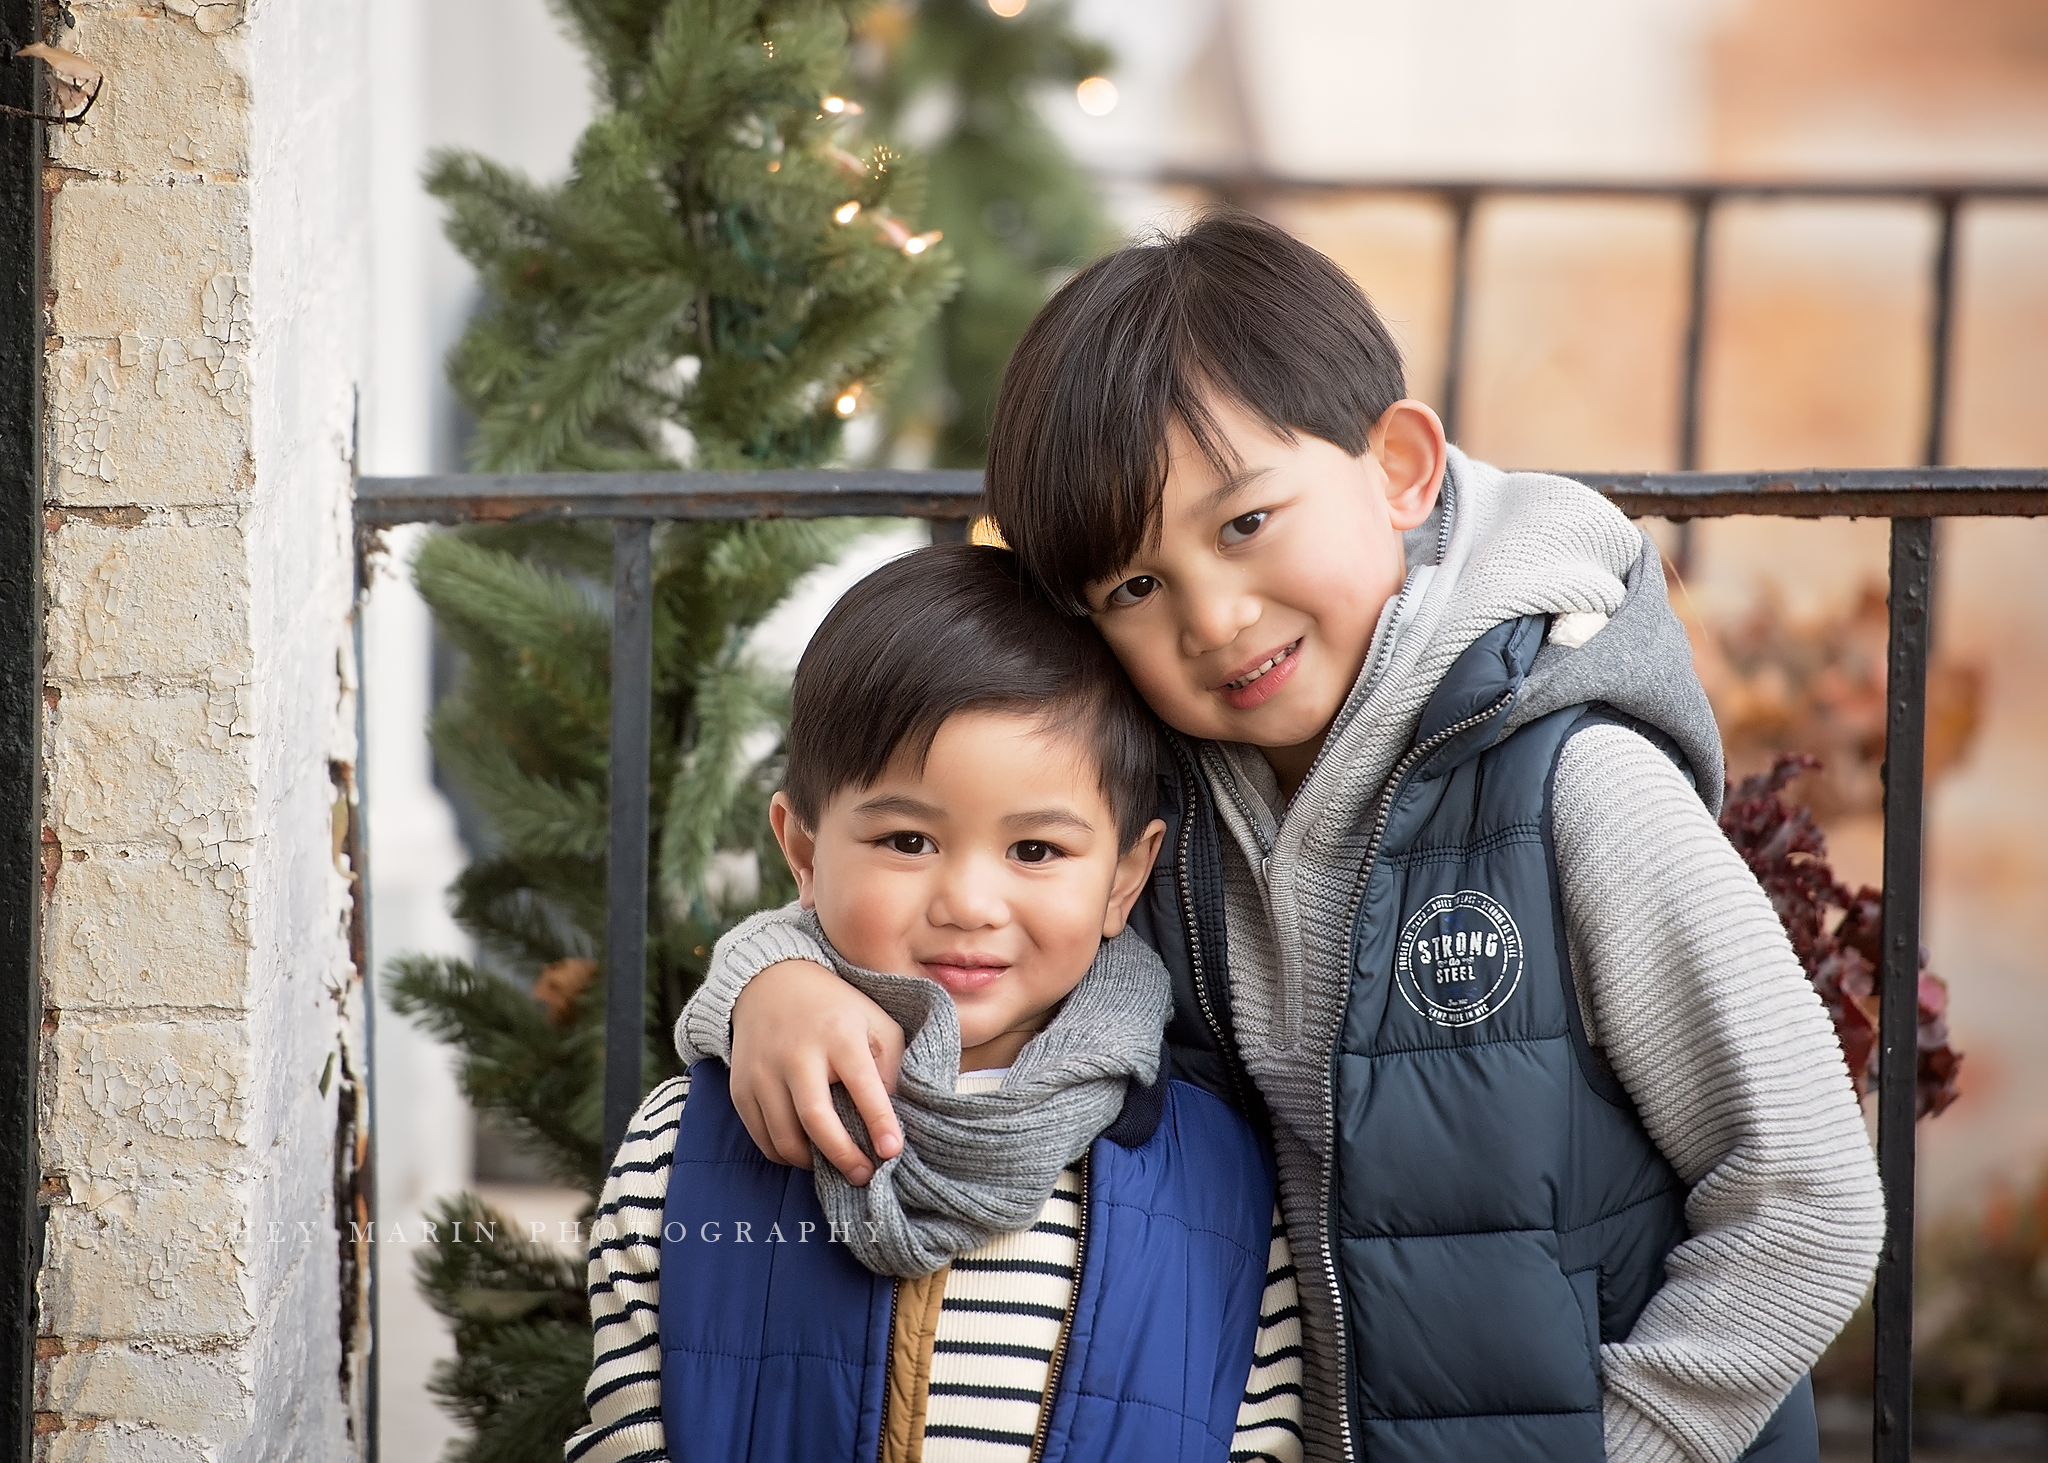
{"x": 1245, "y": 187}
{"x": 1893, "y": 492}
{"x": 21, "y": 708}
{"x": 1890, "y": 492}
{"x": 722, "y": 496}
{"x": 1701, "y": 206}
{"x": 1461, "y": 305}
{"x": 625, "y": 945}
{"x": 1941, "y": 329}
{"x": 1912, "y": 560}
{"x": 1702, "y": 209}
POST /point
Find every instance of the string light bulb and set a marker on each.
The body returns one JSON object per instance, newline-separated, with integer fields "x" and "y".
{"x": 849, "y": 401}
{"x": 847, "y": 211}
{"x": 841, "y": 107}
{"x": 918, "y": 243}
{"x": 1008, "y": 9}
{"x": 1097, "y": 96}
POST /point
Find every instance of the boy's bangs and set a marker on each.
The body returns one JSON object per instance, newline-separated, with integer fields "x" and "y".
{"x": 1234, "y": 308}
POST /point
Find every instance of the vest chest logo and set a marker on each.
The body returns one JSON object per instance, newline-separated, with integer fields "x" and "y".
{"x": 1459, "y": 959}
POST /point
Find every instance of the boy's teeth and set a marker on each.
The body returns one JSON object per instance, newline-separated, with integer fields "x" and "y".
{"x": 1252, "y": 675}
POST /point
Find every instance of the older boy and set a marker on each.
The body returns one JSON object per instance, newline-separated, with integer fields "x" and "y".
{"x": 1567, "y": 1154}
{"x": 1069, "y": 1257}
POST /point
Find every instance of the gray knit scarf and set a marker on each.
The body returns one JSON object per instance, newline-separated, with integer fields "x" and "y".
{"x": 976, "y": 1165}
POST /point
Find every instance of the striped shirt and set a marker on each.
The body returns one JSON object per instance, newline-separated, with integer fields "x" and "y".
{"x": 999, "y": 1319}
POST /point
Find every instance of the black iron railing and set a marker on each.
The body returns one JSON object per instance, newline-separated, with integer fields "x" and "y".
{"x": 22, "y": 206}
{"x": 1911, "y": 498}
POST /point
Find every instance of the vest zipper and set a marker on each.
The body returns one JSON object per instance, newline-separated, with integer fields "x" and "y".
{"x": 1059, "y": 1347}
{"x": 1381, "y": 815}
{"x": 889, "y": 1362}
{"x": 1190, "y": 806}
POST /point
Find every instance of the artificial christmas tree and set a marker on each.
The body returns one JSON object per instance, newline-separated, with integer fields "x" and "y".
{"x": 964, "y": 78}
{"x": 719, "y": 284}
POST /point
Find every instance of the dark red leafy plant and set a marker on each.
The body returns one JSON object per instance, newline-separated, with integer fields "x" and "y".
{"x": 1834, "y": 932}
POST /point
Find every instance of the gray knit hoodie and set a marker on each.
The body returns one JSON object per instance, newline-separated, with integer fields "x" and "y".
{"x": 1710, "y": 1024}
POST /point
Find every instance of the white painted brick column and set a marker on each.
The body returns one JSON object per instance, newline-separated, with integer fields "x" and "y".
{"x": 202, "y": 1043}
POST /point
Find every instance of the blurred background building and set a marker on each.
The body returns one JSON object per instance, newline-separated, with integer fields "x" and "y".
{"x": 1814, "y": 354}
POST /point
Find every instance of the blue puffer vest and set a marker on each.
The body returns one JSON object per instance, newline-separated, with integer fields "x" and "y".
{"x": 1496, "y": 1210}
{"x": 775, "y": 1346}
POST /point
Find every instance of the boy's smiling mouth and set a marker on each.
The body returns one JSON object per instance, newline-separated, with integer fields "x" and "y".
{"x": 1258, "y": 684}
{"x": 961, "y": 974}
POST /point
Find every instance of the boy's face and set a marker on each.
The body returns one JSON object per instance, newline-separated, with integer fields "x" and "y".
{"x": 992, "y": 870}
{"x": 1250, "y": 618}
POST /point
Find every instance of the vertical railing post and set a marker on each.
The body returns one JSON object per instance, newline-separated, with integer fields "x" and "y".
{"x": 951, "y": 530}
{"x": 1941, "y": 329}
{"x": 1461, "y": 281}
{"x": 21, "y": 711}
{"x": 625, "y": 946}
{"x": 1899, "y": 977}
{"x": 1701, "y": 206}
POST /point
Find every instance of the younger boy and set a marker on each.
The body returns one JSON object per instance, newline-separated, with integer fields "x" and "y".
{"x": 1067, "y": 1256}
{"x": 1568, "y": 1156}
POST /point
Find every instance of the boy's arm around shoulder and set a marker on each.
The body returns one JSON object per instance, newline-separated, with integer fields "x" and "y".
{"x": 805, "y": 1030}
{"x": 624, "y": 1390}
{"x": 1707, "y": 1019}
{"x": 748, "y": 948}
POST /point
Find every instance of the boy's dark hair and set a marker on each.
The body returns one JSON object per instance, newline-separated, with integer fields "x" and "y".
{"x": 1077, "y": 454}
{"x": 950, "y": 629}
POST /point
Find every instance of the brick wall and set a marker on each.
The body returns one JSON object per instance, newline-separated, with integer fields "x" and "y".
{"x": 202, "y": 1044}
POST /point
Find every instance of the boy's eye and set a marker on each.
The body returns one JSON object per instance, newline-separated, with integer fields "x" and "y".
{"x": 1133, "y": 590}
{"x": 1242, "y": 527}
{"x": 1031, "y": 851}
{"x": 912, "y": 844}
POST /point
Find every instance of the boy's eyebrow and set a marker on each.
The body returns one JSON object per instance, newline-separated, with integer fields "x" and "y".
{"x": 899, "y": 805}
{"x": 1231, "y": 486}
{"x": 1048, "y": 818}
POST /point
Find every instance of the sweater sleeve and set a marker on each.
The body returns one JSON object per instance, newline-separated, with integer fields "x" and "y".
{"x": 624, "y": 1390}
{"x": 748, "y": 948}
{"x": 1735, "y": 1070}
{"x": 1269, "y": 1418}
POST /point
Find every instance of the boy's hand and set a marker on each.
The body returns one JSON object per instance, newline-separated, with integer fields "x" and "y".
{"x": 796, "y": 1029}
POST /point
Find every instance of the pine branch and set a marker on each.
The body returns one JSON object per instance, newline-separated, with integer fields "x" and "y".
{"x": 522, "y": 1333}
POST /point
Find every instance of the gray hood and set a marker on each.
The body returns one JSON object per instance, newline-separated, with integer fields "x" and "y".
{"x": 1640, "y": 663}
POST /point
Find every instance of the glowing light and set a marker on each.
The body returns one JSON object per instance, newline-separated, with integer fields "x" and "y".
{"x": 921, "y": 242}
{"x": 1008, "y": 9}
{"x": 835, "y": 104}
{"x": 848, "y": 404}
{"x": 841, "y": 107}
{"x": 775, "y": 165}
{"x": 847, "y": 211}
{"x": 1097, "y": 96}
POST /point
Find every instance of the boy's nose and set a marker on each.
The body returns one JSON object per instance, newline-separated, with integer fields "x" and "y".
{"x": 969, "y": 897}
{"x": 1212, "y": 621}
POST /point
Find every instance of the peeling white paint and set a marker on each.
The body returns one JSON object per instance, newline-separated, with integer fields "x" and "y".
{"x": 207, "y": 263}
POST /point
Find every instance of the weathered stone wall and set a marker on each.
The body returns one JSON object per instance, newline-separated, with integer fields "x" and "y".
{"x": 202, "y": 1038}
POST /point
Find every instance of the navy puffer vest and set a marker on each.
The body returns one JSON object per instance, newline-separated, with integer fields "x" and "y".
{"x": 1495, "y": 1209}
{"x": 775, "y": 1347}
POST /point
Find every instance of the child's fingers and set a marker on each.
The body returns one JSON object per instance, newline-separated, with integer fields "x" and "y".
{"x": 862, "y": 1078}
{"x": 821, "y": 1122}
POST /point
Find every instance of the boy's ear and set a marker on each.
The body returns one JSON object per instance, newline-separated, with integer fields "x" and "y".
{"x": 1408, "y": 441}
{"x": 799, "y": 845}
{"x": 1133, "y": 868}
